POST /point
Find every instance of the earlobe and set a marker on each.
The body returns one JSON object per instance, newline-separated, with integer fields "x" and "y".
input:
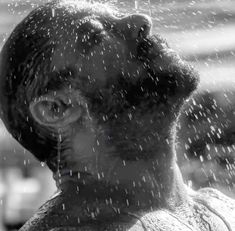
{"x": 55, "y": 111}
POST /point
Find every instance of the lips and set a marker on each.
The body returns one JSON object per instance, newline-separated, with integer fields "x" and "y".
{"x": 167, "y": 73}
{"x": 150, "y": 47}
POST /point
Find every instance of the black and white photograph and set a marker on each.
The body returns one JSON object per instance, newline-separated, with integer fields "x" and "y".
{"x": 117, "y": 115}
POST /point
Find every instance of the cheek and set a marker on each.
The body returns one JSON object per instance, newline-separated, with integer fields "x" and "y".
{"x": 106, "y": 60}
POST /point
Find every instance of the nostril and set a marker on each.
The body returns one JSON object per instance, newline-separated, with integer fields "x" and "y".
{"x": 142, "y": 25}
{"x": 144, "y": 31}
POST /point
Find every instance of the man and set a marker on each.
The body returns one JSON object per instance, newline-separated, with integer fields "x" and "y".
{"x": 94, "y": 95}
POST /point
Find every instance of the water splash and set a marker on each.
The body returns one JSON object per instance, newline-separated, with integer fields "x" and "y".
{"x": 150, "y": 8}
{"x": 59, "y": 141}
{"x": 53, "y": 12}
{"x": 137, "y": 6}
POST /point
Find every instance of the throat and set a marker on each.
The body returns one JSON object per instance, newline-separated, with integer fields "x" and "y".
{"x": 129, "y": 186}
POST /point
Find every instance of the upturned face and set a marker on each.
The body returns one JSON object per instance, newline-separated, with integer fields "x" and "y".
{"x": 131, "y": 82}
{"x": 127, "y": 83}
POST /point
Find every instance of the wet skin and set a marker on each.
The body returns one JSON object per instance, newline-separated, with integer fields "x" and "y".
{"x": 102, "y": 96}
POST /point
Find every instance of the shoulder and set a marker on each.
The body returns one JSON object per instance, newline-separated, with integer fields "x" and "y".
{"x": 218, "y": 203}
{"x": 46, "y": 215}
{"x": 216, "y": 199}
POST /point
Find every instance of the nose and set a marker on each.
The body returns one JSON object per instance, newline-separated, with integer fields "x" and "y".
{"x": 135, "y": 26}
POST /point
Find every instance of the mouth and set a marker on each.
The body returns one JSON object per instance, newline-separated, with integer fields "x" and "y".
{"x": 151, "y": 47}
{"x": 165, "y": 69}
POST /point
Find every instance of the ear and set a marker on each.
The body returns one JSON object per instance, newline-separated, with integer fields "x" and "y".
{"x": 57, "y": 109}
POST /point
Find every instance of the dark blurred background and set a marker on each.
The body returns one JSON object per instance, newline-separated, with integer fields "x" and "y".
{"x": 203, "y": 32}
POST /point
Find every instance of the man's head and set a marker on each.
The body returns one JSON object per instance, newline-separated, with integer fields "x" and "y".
{"x": 83, "y": 79}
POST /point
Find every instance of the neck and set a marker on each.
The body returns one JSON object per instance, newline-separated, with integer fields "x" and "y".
{"x": 130, "y": 185}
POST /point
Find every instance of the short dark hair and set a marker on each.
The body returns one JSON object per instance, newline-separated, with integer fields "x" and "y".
{"x": 25, "y": 65}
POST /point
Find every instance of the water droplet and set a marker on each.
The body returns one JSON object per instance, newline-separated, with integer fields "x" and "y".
{"x": 137, "y": 6}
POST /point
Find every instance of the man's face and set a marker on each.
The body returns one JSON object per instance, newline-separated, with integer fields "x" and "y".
{"x": 130, "y": 83}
